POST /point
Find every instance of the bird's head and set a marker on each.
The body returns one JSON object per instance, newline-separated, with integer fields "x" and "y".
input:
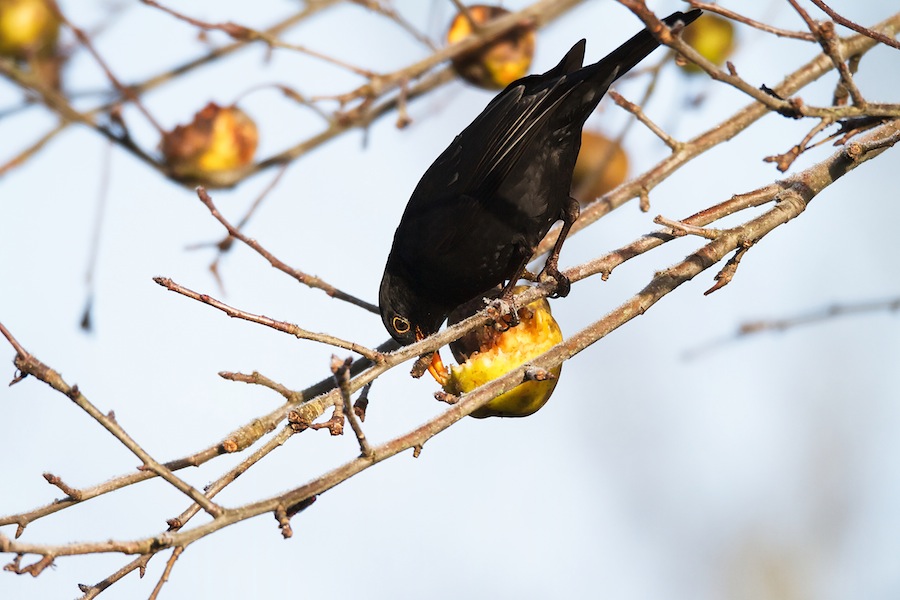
{"x": 410, "y": 318}
{"x": 407, "y": 316}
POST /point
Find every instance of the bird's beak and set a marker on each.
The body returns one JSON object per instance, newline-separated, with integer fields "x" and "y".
{"x": 436, "y": 368}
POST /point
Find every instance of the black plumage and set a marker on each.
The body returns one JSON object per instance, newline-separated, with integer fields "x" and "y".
{"x": 478, "y": 213}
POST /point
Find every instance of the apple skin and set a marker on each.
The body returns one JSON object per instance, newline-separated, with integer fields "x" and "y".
{"x": 218, "y": 140}
{"x": 713, "y": 37}
{"x": 499, "y": 63}
{"x": 486, "y": 354}
{"x": 602, "y": 165}
{"x": 27, "y": 28}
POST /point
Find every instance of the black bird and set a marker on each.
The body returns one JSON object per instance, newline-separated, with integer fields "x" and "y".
{"x": 477, "y": 215}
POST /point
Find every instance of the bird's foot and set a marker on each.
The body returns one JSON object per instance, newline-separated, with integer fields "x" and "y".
{"x": 563, "y": 285}
{"x": 503, "y": 311}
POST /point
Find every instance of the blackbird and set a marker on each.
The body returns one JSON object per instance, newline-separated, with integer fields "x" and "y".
{"x": 478, "y": 213}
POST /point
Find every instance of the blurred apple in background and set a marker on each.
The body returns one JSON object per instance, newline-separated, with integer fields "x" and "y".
{"x": 713, "y": 37}
{"x": 27, "y": 28}
{"x": 499, "y": 63}
{"x": 602, "y": 165}
{"x": 219, "y": 140}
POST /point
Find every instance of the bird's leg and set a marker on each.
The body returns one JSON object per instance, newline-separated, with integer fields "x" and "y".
{"x": 568, "y": 215}
{"x": 507, "y": 307}
{"x": 523, "y": 254}
{"x": 507, "y": 293}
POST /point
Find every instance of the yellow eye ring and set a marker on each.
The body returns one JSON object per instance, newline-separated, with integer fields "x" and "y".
{"x": 400, "y": 325}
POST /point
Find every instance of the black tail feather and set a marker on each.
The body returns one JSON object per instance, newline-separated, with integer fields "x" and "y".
{"x": 571, "y": 62}
{"x": 629, "y": 54}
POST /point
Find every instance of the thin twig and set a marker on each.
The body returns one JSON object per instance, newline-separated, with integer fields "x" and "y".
{"x": 23, "y": 156}
{"x": 243, "y": 33}
{"x": 825, "y": 314}
{"x": 779, "y": 325}
{"x": 790, "y": 107}
{"x": 730, "y": 14}
{"x": 635, "y": 110}
{"x": 727, "y": 273}
{"x": 784, "y": 161}
{"x": 59, "y": 104}
{"x": 825, "y": 35}
{"x": 680, "y": 228}
{"x": 225, "y": 244}
{"x": 875, "y": 35}
{"x": 259, "y": 379}
{"x": 29, "y": 364}
{"x": 282, "y": 326}
{"x": 397, "y": 18}
{"x": 94, "y": 254}
{"x": 276, "y": 441}
{"x": 124, "y": 90}
{"x": 304, "y": 278}
{"x": 341, "y": 370}
{"x": 308, "y": 405}
{"x": 808, "y": 182}
{"x": 92, "y": 591}
{"x": 166, "y": 572}
{"x": 463, "y": 9}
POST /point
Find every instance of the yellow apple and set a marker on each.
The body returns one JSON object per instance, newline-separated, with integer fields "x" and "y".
{"x": 486, "y": 354}
{"x": 218, "y": 140}
{"x": 27, "y": 28}
{"x": 713, "y": 37}
{"x": 499, "y": 63}
{"x": 602, "y": 165}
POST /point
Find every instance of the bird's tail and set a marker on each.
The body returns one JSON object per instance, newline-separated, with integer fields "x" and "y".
{"x": 629, "y": 54}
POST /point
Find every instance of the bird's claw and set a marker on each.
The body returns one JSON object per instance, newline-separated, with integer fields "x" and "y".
{"x": 563, "y": 285}
{"x": 504, "y": 313}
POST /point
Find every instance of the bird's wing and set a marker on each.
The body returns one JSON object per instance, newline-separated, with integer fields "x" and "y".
{"x": 457, "y": 241}
{"x": 520, "y": 116}
{"x": 501, "y": 136}
{"x": 484, "y": 153}
{"x": 485, "y": 150}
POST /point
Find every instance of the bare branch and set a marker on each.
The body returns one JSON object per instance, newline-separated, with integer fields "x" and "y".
{"x": 640, "y": 116}
{"x": 825, "y": 314}
{"x": 126, "y": 92}
{"x": 875, "y": 35}
{"x": 304, "y": 278}
{"x": 824, "y": 33}
{"x": 28, "y": 364}
{"x": 718, "y": 134}
{"x": 730, "y": 14}
{"x": 795, "y": 197}
{"x": 282, "y": 326}
{"x": 243, "y": 33}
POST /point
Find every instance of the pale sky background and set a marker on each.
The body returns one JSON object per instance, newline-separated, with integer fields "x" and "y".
{"x": 762, "y": 468}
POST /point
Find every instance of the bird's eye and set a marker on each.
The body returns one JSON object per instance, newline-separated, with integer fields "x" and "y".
{"x": 400, "y": 325}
